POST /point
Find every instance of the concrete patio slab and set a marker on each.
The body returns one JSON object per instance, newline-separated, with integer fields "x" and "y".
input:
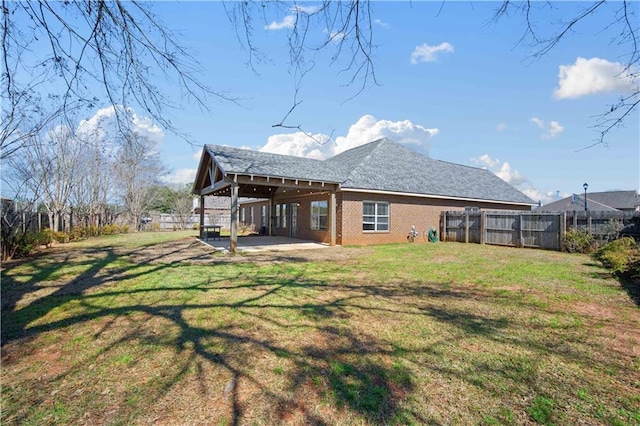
{"x": 261, "y": 243}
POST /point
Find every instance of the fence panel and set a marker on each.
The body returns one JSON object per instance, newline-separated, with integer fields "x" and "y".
{"x": 533, "y": 229}
{"x": 541, "y": 231}
{"x": 501, "y": 228}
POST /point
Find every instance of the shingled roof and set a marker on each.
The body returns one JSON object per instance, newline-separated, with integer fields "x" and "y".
{"x": 382, "y": 165}
{"x": 385, "y": 165}
{"x": 249, "y": 162}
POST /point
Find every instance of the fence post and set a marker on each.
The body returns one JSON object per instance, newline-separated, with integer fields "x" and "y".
{"x": 466, "y": 227}
{"x": 520, "y": 235}
{"x": 443, "y": 232}
{"x": 563, "y": 229}
{"x": 483, "y": 227}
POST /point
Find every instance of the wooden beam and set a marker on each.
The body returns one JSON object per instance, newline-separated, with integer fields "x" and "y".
{"x": 215, "y": 187}
{"x": 334, "y": 220}
{"x": 201, "y": 216}
{"x": 233, "y": 240}
{"x": 282, "y": 182}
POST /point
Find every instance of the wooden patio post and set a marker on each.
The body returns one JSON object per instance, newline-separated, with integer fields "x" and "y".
{"x": 233, "y": 240}
{"x": 201, "y": 216}
{"x": 334, "y": 219}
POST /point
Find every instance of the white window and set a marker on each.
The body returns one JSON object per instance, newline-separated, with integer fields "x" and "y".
{"x": 375, "y": 216}
{"x": 264, "y": 213}
{"x": 319, "y": 214}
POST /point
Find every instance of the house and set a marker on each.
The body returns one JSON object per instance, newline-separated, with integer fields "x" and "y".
{"x": 370, "y": 194}
{"x": 608, "y": 201}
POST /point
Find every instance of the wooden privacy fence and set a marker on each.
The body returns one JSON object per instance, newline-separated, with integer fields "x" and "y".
{"x": 525, "y": 229}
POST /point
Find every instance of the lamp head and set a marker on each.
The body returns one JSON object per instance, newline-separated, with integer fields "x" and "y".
{"x": 585, "y": 186}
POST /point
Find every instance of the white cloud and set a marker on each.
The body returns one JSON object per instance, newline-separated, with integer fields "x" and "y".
{"x": 335, "y": 36}
{"x": 501, "y": 169}
{"x": 103, "y": 126}
{"x": 426, "y": 53}
{"x": 590, "y": 76}
{"x": 288, "y": 21}
{"x": 513, "y": 177}
{"x": 538, "y": 122}
{"x": 366, "y": 129}
{"x": 309, "y": 10}
{"x": 300, "y": 144}
{"x": 381, "y": 23}
{"x": 551, "y": 129}
{"x": 501, "y": 127}
{"x": 180, "y": 177}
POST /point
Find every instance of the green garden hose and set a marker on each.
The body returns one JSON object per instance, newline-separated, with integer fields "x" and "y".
{"x": 433, "y": 235}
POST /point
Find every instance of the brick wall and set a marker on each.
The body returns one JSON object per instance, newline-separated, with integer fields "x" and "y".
{"x": 404, "y": 212}
{"x": 423, "y": 213}
{"x": 303, "y": 227}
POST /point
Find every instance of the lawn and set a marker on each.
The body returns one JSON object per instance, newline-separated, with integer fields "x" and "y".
{"x": 131, "y": 330}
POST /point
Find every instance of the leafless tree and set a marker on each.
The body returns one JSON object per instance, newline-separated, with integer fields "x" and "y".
{"x": 137, "y": 170}
{"x": 95, "y": 189}
{"x": 97, "y": 53}
{"x": 16, "y": 214}
{"x": 51, "y": 166}
{"x": 622, "y": 19}
{"x": 182, "y": 206}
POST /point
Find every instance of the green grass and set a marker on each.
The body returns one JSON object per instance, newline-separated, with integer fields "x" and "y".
{"x": 399, "y": 334}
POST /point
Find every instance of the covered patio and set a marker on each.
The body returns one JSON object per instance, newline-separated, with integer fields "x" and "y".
{"x": 234, "y": 173}
{"x": 262, "y": 243}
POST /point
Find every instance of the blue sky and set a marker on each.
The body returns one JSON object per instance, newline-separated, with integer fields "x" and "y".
{"x": 452, "y": 84}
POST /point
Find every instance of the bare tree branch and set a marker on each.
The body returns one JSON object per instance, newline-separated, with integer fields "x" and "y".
{"x": 622, "y": 18}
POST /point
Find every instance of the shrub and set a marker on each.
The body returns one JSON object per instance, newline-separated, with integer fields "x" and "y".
{"x": 25, "y": 243}
{"x": 155, "y": 227}
{"x": 579, "y": 241}
{"x": 44, "y": 237}
{"x": 611, "y": 230}
{"x": 619, "y": 255}
{"x": 110, "y": 229}
{"x": 60, "y": 237}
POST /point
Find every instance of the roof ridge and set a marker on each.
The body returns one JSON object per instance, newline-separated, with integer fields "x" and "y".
{"x": 364, "y": 159}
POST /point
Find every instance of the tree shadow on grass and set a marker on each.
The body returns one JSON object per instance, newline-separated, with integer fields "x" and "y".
{"x": 632, "y": 286}
{"x": 347, "y": 368}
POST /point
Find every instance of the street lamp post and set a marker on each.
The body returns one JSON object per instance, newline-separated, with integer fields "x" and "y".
{"x": 585, "y": 186}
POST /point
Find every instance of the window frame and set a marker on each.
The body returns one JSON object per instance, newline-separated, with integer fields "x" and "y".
{"x": 376, "y": 222}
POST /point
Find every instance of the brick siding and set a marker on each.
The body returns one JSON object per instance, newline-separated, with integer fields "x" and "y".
{"x": 404, "y": 212}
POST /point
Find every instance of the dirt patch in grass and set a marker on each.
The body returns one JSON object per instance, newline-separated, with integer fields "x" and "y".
{"x": 192, "y": 251}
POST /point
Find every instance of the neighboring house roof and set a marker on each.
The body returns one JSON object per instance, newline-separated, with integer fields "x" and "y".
{"x": 621, "y": 200}
{"x": 596, "y": 201}
{"x": 382, "y": 165}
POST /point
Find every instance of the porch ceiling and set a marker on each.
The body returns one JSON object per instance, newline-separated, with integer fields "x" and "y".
{"x": 266, "y": 187}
